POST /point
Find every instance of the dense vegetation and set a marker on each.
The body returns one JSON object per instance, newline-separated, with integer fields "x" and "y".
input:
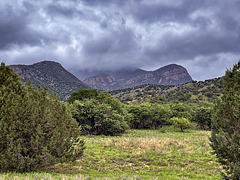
{"x": 37, "y": 130}
{"x": 192, "y": 92}
{"x": 98, "y": 113}
{"x": 225, "y": 136}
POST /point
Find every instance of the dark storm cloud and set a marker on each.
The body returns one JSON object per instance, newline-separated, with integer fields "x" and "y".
{"x": 112, "y": 33}
{"x": 64, "y": 11}
{"x": 118, "y": 42}
{"x": 164, "y": 12}
{"x": 14, "y": 29}
{"x": 105, "y": 2}
{"x": 57, "y": 9}
{"x": 190, "y": 46}
{"x": 112, "y": 51}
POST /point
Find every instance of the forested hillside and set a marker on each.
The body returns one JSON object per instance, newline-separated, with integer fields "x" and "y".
{"x": 192, "y": 92}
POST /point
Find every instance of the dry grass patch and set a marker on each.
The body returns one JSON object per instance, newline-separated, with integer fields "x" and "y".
{"x": 142, "y": 144}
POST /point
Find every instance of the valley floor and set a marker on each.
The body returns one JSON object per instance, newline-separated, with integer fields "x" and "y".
{"x": 139, "y": 154}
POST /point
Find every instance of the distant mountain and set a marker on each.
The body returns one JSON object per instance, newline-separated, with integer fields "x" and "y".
{"x": 51, "y": 74}
{"x": 130, "y": 77}
{"x": 122, "y": 73}
{"x": 104, "y": 82}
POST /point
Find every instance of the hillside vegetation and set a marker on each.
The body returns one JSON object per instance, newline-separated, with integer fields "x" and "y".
{"x": 192, "y": 92}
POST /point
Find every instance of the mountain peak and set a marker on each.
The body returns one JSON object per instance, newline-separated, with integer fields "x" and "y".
{"x": 48, "y": 63}
{"x": 51, "y": 74}
{"x": 170, "y": 66}
{"x": 172, "y": 74}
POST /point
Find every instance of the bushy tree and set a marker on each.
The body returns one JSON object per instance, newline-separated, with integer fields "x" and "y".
{"x": 203, "y": 117}
{"x": 181, "y": 110}
{"x": 98, "y": 112}
{"x": 181, "y": 123}
{"x": 83, "y": 94}
{"x": 225, "y": 136}
{"x": 147, "y": 115}
{"x": 36, "y": 130}
{"x": 97, "y": 118}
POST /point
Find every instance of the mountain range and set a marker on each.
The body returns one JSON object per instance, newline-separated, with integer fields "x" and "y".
{"x": 58, "y": 79}
{"x": 172, "y": 74}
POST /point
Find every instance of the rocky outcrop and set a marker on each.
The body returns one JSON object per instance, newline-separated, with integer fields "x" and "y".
{"x": 51, "y": 74}
{"x": 103, "y": 82}
{"x": 168, "y": 75}
{"x": 172, "y": 75}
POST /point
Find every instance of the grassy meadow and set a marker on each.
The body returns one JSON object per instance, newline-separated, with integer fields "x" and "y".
{"x": 165, "y": 153}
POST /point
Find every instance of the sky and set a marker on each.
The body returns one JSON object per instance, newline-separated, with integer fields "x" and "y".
{"x": 203, "y": 36}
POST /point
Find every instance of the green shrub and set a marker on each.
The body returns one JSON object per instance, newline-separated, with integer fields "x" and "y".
{"x": 181, "y": 123}
{"x": 96, "y": 117}
{"x": 98, "y": 112}
{"x": 181, "y": 110}
{"x": 37, "y": 130}
{"x": 149, "y": 116}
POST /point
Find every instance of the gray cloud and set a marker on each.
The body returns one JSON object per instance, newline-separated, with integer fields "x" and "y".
{"x": 96, "y": 34}
{"x": 14, "y": 29}
{"x": 118, "y": 42}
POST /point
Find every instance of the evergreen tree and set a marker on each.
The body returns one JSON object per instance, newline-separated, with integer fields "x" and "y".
{"x": 225, "y": 137}
{"x": 36, "y": 130}
{"x": 11, "y": 101}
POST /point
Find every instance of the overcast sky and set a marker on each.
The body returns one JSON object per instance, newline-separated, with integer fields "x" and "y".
{"x": 201, "y": 35}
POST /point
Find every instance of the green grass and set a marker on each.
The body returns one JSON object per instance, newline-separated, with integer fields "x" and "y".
{"x": 139, "y": 154}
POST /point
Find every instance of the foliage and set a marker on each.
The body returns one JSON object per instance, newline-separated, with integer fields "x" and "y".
{"x": 148, "y": 115}
{"x": 225, "y": 125}
{"x": 98, "y": 117}
{"x": 181, "y": 123}
{"x": 203, "y": 116}
{"x": 192, "y": 92}
{"x": 37, "y": 130}
{"x": 181, "y": 110}
{"x": 83, "y": 94}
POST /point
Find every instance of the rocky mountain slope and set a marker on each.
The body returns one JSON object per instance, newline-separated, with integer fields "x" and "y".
{"x": 51, "y": 74}
{"x": 104, "y": 82}
{"x": 130, "y": 77}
